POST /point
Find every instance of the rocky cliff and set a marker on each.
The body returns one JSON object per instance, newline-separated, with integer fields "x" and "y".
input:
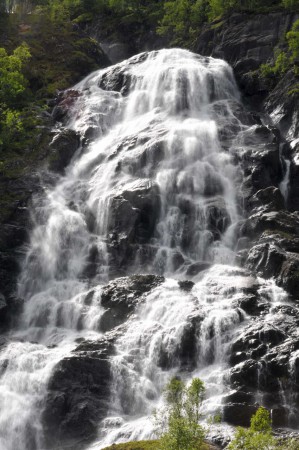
{"x": 263, "y": 359}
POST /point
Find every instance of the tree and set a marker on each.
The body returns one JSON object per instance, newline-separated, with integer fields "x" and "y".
{"x": 178, "y": 421}
{"x": 259, "y": 435}
{"x": 12, "y": 80}
{"x": 12, "y": 85}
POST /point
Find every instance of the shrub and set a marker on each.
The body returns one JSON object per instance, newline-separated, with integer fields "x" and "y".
{"x": 259, "y": 435}
{"x": 177, "y": 423}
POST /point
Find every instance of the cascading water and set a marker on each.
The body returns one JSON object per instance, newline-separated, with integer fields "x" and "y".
{"x": 154, "y": 188}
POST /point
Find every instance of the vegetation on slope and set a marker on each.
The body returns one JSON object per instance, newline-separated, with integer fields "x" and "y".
{"x": 259, "y": 436}
{"x": 285, "y": 60}
{"x": 39, "y": 55}
{"x": 148, "y": 445}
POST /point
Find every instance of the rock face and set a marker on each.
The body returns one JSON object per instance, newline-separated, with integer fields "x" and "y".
{"x": 120, "y": 298}
{"x": 263, "y": 358}
{"x": 63, "y": 147}
{"x": 78, "y": 395}
{"x": 79, "y": 389}
{"x": 246, "y": 41}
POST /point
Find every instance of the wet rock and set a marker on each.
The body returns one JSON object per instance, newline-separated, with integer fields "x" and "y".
{"x": 78, "y": 395}
{"x": 273, "y": 221}
{"x": 245, "y": 374}
{"x": 217, "y": 216}
{"x": 63, "y": 147}
{"x": 293, "y": 192}
{"x": 238, "y": 414}
{"x": 65, "y": 101}
{"x": 184, "y": 353}
{"x": 186, "y": 285}
{"x": 266, "y": 366}
{"x": 261, "y": 165}
{"x": 134, "y": 211}
{"x": 283, "y": 109}
{"x": 118, "y": 78}
{"x": 276, "y": 249}
{"x": 120, "y": 298}
{"x": 197, "y": 267}
{"x": 246, "y": 41}
{"x": 3, "y": 309}
{"x": 269, "y": 198}
{"x": 253, "y": 304}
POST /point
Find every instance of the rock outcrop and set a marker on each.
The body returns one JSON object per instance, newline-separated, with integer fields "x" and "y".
{"x": 79, "y": 389}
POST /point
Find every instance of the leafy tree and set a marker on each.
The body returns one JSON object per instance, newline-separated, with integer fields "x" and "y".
{"x": 12, "y": 85}
{"x": 259, "y": 436}
{"x": 178, "y": 422}
{"x": 12, "y": 80}
{"x": 182, "y": 19}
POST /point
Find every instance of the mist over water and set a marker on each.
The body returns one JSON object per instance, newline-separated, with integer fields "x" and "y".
{"x": 154, "y": 188}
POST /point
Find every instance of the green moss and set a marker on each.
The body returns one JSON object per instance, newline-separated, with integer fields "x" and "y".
{"x": 83, "y": 18}
{"x": 216, "y": 25}
{"x": 282, "y": 234}
{"x": 294, "y": 91}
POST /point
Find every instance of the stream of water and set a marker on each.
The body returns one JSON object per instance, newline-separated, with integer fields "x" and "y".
{"x": 153, "y": 177}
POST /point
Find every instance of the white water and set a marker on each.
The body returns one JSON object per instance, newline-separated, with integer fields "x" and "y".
{"x": 163, "y": 135}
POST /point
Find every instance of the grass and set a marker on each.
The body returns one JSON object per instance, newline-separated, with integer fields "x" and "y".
{"x": 136, "y": 445}
{"x": 147, "y": 445}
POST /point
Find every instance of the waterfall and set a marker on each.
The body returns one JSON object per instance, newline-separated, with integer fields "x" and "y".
{"x": 153, "y": 189}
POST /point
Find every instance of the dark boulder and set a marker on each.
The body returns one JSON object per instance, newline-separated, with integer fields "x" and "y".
{"x": 275, "y": 252}
{"x": 63, "y": 147}
{"x": 120, "y": 298}
{"x": 118, "y": 78}
{"x": 197, "y": 267}
{"x": 64, "y": 103}
{"x": 217, "y": 216}
{"x": 78, "y": 395}
{"x": 269, "y": 198}
{"x": 265, "y": 367}
{"x": 133, "y": 215}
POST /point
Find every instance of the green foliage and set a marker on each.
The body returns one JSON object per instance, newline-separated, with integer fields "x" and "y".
{"x": 293, "y": 41}
{"x": 261, "y": 421}
{"x": 12, "y": 81}
{"x": 291, "y": 4}
{"x": 181, "y": 435}
{"x": 258, "y": 436}
{"x": 10, "y": 125}
{"x": 177, "y": 424}
{"x": 284, "y": 61}
{"x": 182, "y": 18}
{"x": 12, "y": 85}
{"x": 281, "y": 65}
{"x": 135, "y": 445}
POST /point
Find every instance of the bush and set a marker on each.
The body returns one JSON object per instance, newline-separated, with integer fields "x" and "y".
{"x": 177, "y": 423}
{"x": 259, "y": 436}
